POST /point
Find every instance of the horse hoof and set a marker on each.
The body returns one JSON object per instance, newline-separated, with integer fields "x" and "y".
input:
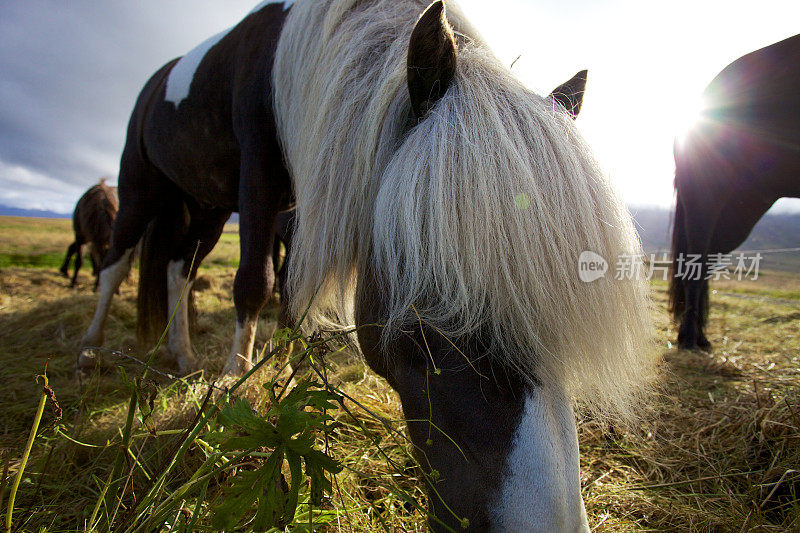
{"x": 91, "y": 340}
{"x": 687, "y": 345}
{"x": 187, "y": 365}
{"x": 237, "y": 366}
{"x": 703, "y": 344}
{"x": 87, "y": 360}
{"x": 691, "y": 337}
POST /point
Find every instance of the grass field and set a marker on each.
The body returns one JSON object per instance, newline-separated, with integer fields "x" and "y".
{"x": 43, "y": 242}
{"x": 718, "y": 450}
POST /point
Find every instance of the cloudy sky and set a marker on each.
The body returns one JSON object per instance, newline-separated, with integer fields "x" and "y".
{"x": 70, "y": 71}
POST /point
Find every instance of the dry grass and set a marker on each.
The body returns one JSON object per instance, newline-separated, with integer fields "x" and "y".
{"x": 721, "y": 448}
{"x": 720, "y": 451}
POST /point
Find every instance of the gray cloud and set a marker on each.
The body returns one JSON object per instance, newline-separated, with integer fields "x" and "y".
{"x": 69, "y": 75}
{"x": 70, "y": 72}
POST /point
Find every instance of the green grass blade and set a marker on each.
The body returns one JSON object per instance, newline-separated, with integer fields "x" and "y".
{"x": 26, "y": 454}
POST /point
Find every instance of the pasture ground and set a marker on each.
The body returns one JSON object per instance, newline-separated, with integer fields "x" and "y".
{"x": 718, "y": 449}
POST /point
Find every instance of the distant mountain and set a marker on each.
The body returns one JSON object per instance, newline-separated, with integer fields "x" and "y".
{"x": 37, "y": 213}
{"x": 7, "y": 211}
{"x": 654, "y": 225}
{"x": 774, "y": 232}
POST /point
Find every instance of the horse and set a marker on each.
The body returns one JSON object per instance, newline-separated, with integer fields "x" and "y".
{"x": 92, "y": 221}
{"x": 284, "y": 227}
{"x": 441, "y": 208}
{"x": 742, "y": 155}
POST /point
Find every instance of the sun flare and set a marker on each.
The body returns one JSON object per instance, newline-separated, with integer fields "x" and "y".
{"x": 687, "y": 114}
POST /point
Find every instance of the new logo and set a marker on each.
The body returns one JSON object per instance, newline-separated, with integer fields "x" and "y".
{"x": 591, "y": 266}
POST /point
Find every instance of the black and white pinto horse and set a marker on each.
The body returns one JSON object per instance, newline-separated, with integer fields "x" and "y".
{"x": 441, "y": 208}
{"x": 741, "y": 156}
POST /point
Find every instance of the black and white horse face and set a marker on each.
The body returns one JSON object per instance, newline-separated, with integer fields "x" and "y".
{"x": 499, "y": 454}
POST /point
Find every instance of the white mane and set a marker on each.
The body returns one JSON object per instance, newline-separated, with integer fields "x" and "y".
{"x": 435, "y": 209}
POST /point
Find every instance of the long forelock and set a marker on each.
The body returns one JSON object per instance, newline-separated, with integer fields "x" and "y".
{"x": 474, "y": 219}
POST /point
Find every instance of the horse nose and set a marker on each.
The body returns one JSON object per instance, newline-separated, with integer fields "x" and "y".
{"x": 541, "y": 491}
{"x": 562, "y": 516}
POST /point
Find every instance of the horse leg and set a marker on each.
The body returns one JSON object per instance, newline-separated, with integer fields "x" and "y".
{"x": 65, "y": 265}
{"x": 263, "y": 192}
{"x": 204, "y": 232}
{"x": 251, "y": 289}
{"x": 78, "y": 265}
{"x": 690, "y": 333}
{"x": 700, "y": 221}
{"x": 740, "y": 218}
{"x": 179, "y": 286}
{"x": 97, "y": 263}
{"x": 283, "y": 315}
{"x": 114, "y": 271}
{"x": 138, "y": 191}
{"x": 253, "y": 284}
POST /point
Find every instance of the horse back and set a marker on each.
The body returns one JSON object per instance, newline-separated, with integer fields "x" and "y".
{"x": 197, "y": 141}
{"x": 95, "y": 212}
{"x": 746, "y": 141}
{"x": 761, "y": 90}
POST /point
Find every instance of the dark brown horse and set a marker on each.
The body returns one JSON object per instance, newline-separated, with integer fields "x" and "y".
{"x": 741, "y": 156}
{"x": 93, "y": 222}
{"x": 436, "y": 196}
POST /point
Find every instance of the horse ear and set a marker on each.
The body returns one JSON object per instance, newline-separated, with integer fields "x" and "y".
{"x": 570, "y": 94}
{"x": 431, "y": 62}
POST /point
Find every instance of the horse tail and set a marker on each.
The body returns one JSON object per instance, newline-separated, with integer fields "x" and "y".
{"x": 680, "y": 246}
{"x": 108, "y": 208}
{"x": 159, "y": 240}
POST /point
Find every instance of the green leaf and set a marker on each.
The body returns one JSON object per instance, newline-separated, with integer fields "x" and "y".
{"x": 294, "y": 491}
{"x": 292, "y": 427}
{"x": 248, "y": 487}
{"x": 272, "y": 506}
{"x": 324, "y": 461}
{"x": 282, "y": 335}
{"x": 253, "y": 431}
{"x": 126, "y": 381}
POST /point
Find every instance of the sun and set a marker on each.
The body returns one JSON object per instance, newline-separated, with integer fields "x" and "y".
{"x": 687, "y": 114}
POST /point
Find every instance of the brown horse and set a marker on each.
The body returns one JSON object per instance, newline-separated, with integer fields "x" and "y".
{"x": 436, "y": 196}
{"x": 741, "y": 156}
{"x": 93, "y": 222}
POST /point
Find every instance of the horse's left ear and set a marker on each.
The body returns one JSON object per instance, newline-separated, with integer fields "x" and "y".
{"x": 570, "y": 94}
{"x": 431, "y": 62}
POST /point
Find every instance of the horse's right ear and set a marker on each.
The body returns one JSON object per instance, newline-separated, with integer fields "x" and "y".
{"x": 431, "y": 62}
{"x": 570, "y": 93}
